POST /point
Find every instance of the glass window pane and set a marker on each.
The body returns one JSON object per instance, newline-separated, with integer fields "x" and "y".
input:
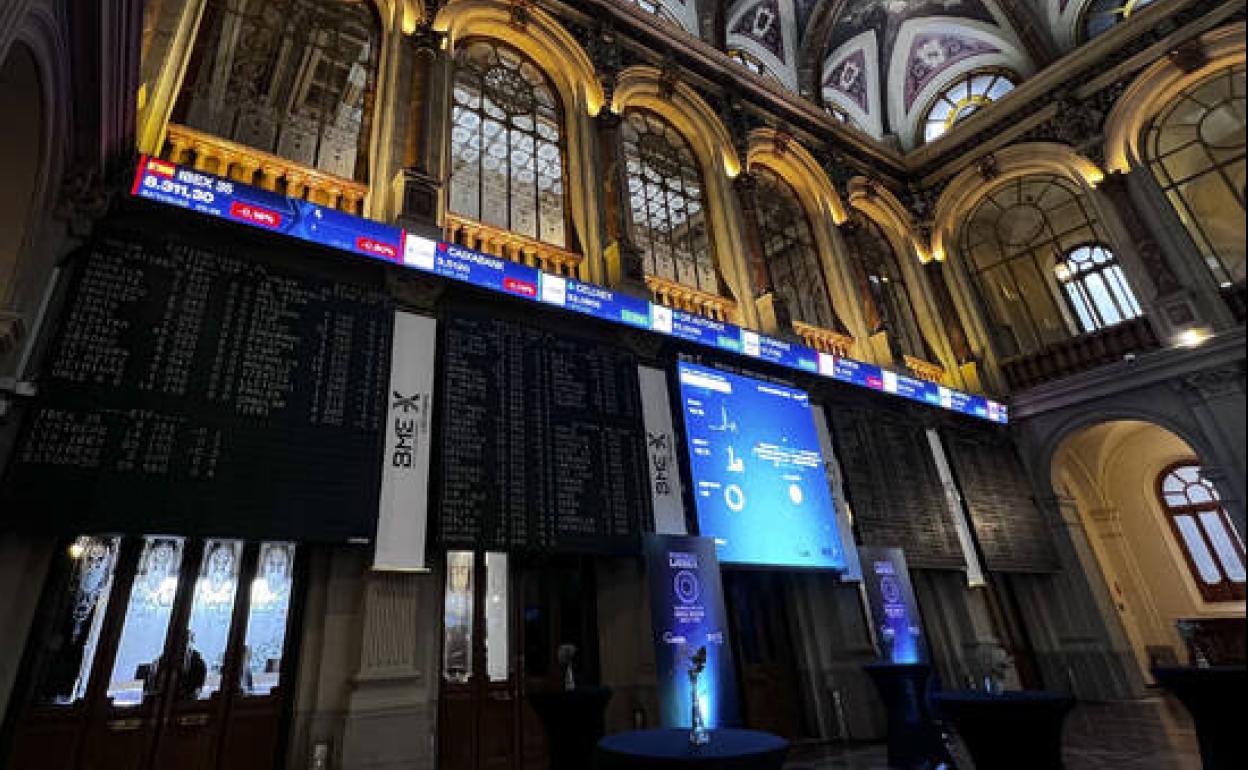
{"x": 136, "y": 668}
{"x": 212, "y": 609}
{"x": 1195, "y": 542}
{"x": 72, "y": 645}
{"x": 497, "y": 618}
{"x": 1215, "y": 525}
{"x": 267, "y": 615}
{"x": 1101, "y": 299}
{"x": 457, "y": 617}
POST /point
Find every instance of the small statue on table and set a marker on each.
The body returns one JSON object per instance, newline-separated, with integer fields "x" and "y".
{"x": 698, "y": 734}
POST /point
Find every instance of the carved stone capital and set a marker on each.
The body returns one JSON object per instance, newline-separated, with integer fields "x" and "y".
{"x": 414, "y": 290}
{"x": 1218, "y": 382}
{"x": 83, "y": 200}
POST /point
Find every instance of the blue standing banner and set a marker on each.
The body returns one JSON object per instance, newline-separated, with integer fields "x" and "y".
{"x": 687, "y": 613}
{"x": 894, "y": 611}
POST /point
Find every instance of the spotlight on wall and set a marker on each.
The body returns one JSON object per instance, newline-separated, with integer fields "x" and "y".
{"x": 1193, "y": 338}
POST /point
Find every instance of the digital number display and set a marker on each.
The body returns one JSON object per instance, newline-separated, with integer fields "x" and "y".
{"x": 169, "y": 183}
{"x": 758, "y": 473}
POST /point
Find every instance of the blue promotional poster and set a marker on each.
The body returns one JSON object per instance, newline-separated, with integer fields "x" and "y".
{"x": 758, "y": 475}
{"x": 687, "y": 613}
{"x": 894, "y": 611}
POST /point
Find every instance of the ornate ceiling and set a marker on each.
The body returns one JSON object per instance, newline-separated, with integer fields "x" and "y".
{"x": 881, "y": 63}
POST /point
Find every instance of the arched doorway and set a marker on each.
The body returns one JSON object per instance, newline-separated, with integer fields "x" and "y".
{"x": 21, "y": 137}
{"x": 1170, "y": 554}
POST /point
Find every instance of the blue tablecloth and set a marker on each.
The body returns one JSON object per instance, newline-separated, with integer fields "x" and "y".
{"x": 667, "y": 749}
{"x": 1015, "y": 730}
{"x": 1214, "y": 697}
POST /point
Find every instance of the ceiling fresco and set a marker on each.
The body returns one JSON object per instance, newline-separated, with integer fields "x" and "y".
{"x": 885, "y": 17}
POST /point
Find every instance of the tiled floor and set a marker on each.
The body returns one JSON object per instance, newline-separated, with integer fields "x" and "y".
{"x": 1153, "y": 734}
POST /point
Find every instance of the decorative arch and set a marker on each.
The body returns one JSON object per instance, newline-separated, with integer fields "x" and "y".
{"x": 882, "y": 206}
{"x": 557, "y": 54}
{"x": 931, "y": 54}
{"x": 766, "y": 30}
{"x": 976, "y": 181}
{"x": 645, "y": 88}
{"x": 800, "y": 169}
{"x": 540, "y": 37}
{"x": 824, "y": 207}
{"x": 40, "y": 36}
{"x": 1156, "y": 87}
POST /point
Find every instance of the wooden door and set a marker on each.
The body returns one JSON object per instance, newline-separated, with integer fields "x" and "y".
{"x": 558, "y": 607}
{"x": 143, "y": 662}
{"x": 765, "y": 654}
{"x": 478, "y": 709}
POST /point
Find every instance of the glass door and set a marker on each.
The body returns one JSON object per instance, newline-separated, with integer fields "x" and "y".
{"x": 159, "y": 652}
{"x": 478, "y": 705}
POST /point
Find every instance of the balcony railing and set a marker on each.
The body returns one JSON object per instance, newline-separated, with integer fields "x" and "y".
{"x": 214, "y": 155}
{"x": 472, "y": 234}
{"x": 824, "y": 340}
{"x": 1080, "y": 354}
{"x": 925, "y": 370}
{"x": 665, "y": 291}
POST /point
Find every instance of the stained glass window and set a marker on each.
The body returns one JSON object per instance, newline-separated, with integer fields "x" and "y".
{"x": 507, "y": 162}
{"x": 288, "y": 77}
{"x": 1103, "y": 15}
{"x": 268, "y": 614}
{"x": 1196, "y": 149}
{"x": 208, "y": 627}
{"x": 1096, "y": 288}
{"x": 1214, "y": 549}
{"x": 882, "y": 286}
{"x": 790, "y": 250}
{"x": 666, "y": 201}
{"x": 1012, "y": 242}
{"x": 137, "y": 665}
{"x": 964, "y": 98}
{"x": 72, "y": 644}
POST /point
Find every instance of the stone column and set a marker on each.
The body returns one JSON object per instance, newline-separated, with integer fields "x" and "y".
{"x": 625, "y": 269}
{"x": 391, "y": 718}
{"x": 1074, "y": 616}
{"x": 773, "y": 313}
{"x": 419, "y": 182}
{"x": 1128, "y": 591}
{"x": 1216, "y": 398}
{"x": 1159, "y": 250}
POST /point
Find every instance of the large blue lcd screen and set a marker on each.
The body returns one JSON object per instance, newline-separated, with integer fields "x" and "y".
{"x": 758, "y": 474}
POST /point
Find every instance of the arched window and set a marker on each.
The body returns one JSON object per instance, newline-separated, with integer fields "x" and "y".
{"x": 964, "y": 98}
{"x": 1013, "y": 242}
{"x": 1102, "y": 15}
{"x": 666, "y": 202}
{"x": 288, "y": 77}
{"x": 790, "y": 251}
{"x": 507, "y": 163}
{"x": 748, "y": 60}
{"x": 1196, "y": 150}
{"x": 881, "y": 286}
{"x": 1095, "y": 287}
{"x": 1215, "y": 551}
{"x": 841, "y": 116}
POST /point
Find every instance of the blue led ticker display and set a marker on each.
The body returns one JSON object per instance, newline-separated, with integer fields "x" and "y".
{"x": 226, "y": 199}
{"x": 758, "y": 474}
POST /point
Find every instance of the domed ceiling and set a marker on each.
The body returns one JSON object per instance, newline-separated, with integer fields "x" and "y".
{"x": 881, "y": 64}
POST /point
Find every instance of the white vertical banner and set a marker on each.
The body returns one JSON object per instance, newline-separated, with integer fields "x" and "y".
{"x": 665, "y": 486}
{"x": 403, "y": 516}
{"x": 836, "y": 482}
{"x": 953, "y": 502}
